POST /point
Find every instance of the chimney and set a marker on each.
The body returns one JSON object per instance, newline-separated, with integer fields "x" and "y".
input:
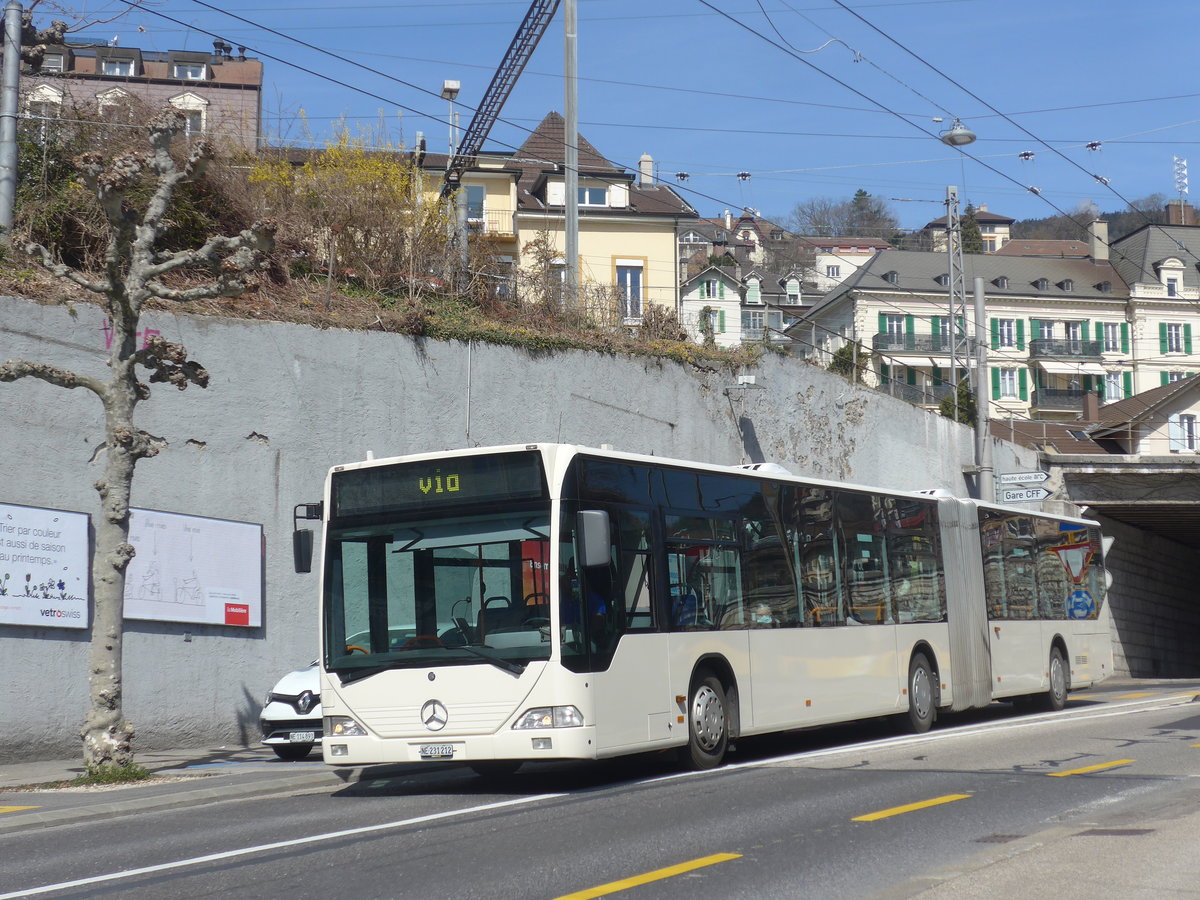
{"x": 1091, "y": 407}
{"x": 1180, "y": 212}
{"x": 1098, "y": 238}
{"x": 645, "y": 169}
{"x": 728, "y": 220}
{"x": 982, "y": 207}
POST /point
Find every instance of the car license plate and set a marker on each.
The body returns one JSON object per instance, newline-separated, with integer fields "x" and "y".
{"x": 436, "y": 751}
{"x": 302, "y": 737}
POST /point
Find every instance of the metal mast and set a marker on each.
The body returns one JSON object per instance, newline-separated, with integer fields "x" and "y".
{"x": 959, "y": 343}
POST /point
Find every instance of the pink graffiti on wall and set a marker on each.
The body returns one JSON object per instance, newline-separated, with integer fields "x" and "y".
{"x": 144, "y": 334}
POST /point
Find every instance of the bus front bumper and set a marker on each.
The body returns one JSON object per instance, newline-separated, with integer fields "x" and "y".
{"x": 520, "y": 744}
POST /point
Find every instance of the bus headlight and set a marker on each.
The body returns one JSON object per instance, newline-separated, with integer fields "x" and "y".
{"x": 550, "y": 717}
{"x": 343, "y": 726}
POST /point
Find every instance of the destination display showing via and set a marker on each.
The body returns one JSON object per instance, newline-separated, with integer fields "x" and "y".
{"x": 445, "y": 482}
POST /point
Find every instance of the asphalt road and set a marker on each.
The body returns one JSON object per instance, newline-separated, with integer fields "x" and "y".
{"x": 851, "y": 812}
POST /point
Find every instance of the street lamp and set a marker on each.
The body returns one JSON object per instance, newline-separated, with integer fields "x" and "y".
{"x": 450, "y": 91}
{"x": 959, "y": 135}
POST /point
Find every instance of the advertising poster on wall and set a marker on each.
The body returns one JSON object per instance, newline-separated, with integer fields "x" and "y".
{"x": 193, "y": 569}
{"x": 43, "y": 567}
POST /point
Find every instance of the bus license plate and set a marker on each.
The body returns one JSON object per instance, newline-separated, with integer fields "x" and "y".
{"x": 302, "y": 737}
{"x": 436, "y": 751}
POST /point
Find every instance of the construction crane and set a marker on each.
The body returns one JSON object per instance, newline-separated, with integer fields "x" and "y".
{"x": 529, "y": 32}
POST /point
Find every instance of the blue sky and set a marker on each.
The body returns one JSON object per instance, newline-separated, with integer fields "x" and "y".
{"x": 851, "y": 106}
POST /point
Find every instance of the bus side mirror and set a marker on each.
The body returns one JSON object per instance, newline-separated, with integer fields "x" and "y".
{"x": 594, "y": 539}
{"x": 302, "y": 550}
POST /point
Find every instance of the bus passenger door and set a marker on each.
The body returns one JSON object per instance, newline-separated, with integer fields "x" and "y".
{"x": 629, "y": 663}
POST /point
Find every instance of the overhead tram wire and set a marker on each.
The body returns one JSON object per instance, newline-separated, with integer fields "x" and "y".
{"x": 1103, "y": 182}
{"x": 978, "y": 160}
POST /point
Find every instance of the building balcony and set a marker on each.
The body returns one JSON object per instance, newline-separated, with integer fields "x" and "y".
{"x": 918, "y": 395}
{"x": 1057, "y": 399}
{"x": 1042, "y": 348}
{"x": 496, "y": 223}
{"x": 758, "y": 335}
{"x": 916, "y": 343}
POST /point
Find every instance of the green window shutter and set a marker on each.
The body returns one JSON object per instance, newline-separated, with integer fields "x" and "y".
{"x": 1187, "y": 338}
{"x": 883, "y": 323}
{"x": 1020, "y": 334}
{"x": 1125, "y": 337}
{"x": 1127, "y": 383}
{"x": 995, "y": 384}
{"x": 721, "y": 321}
{"x": 1023, "y": 383}
{"x": 1100, "y": 385}
{"x": 909, "y": 325}
{"x": 937, "y": 375}
{"x": 995, "y": 334}
{"x": 1100, "y": 333}
{"x": 721, "y": 294}
{"x": 1087, "y": 383}
{"x": 1164, "y": 378}
{"x": 1162, "y": 338}
{"x": 912, "y": 375}
{"x": 885, "y": 373}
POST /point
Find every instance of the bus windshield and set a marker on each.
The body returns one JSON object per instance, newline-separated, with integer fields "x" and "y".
{"x": 452, "y": 590}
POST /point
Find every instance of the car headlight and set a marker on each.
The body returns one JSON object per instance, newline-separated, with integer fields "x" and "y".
{"x": 550, "y": 717}
{"x": 343, "y": 726}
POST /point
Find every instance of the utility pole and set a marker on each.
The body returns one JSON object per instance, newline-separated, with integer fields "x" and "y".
{"x": 983, "y": 437}
{"x": 958, "y": 295}
{"x": 9, "y": 97}
{"x": 571, "y": 155}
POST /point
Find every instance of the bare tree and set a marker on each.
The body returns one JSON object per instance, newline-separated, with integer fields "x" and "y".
{"x": 861, "y": 216}
{"x": 132, "y": 276}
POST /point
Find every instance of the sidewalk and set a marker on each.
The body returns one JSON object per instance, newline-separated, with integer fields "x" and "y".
{"x": 189, "y": 777}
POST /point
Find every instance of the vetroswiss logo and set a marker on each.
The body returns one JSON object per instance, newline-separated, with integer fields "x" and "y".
{"x": 60, "y": 613}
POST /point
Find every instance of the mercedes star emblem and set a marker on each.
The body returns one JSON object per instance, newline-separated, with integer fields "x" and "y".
{"x": 434, "y": 715}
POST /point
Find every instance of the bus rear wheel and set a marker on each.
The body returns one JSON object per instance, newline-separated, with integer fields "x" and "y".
{"x": 1055, "y": 697}
{"x": 708, "y": 724}
{"x": 921, "y": 708}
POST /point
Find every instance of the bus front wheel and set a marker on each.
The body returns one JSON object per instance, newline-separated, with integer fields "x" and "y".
{"x": 1055, "y": 697}
{"x": 921, "y": 708}
{"x": 708, "y": 723}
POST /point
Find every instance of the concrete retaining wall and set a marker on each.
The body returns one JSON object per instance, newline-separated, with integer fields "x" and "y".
{"x": 286, "y": 402}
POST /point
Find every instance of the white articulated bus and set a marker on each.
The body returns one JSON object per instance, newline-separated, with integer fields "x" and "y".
{"x": 546, "y": 601}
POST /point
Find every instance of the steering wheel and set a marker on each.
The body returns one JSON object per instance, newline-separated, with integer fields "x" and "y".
{"x": 536, "y": 622}
{"x": 350, "y": 648}
{"x": 422, "y": 642}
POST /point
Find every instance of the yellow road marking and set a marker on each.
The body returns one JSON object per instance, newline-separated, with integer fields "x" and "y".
{"x": 4, "y": 809}
{"x": 910, "y": 807}
{"x": 1135, "y": 696}
{"x": 1099, "y": 767}
{"x": 1196, "y": 745}
{"x": 657, "y": 875}
{"x": 1081, "y": 697}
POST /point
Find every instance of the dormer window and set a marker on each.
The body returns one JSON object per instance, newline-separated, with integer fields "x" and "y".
{"x": 118, "y": 68}
{"x": 1042, "y": 284}
{"x": 777, "y": 235}
{"x": 943, "y": 279}
{"x": 1001, "y": 282}
{"x": 892, "y": 277}
{"x": 190, "y": 71}
{"x": 54, "y": 62}
{"x": 1104, "y": 287}
{"x": 719, "y": 235}
{"x": 593, "y": 196}
{"x": 692, "y": 238}
{"x": 1067, "y": 284}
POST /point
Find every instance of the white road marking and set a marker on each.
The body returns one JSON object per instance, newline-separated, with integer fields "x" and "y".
{"x": 277, "y": 845}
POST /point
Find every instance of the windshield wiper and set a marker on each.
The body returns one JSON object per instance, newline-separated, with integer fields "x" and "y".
{"x": 499, "y": 662}
{"x": 348, "y": 675}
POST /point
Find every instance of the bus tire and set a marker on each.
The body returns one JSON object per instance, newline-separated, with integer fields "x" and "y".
{"x": 922, "y": 708}
{"x": 708, "y": 723}
{"x": 1055, "y": 696}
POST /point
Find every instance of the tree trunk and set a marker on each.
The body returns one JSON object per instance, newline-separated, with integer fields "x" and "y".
{"x": 107, "y": 735}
